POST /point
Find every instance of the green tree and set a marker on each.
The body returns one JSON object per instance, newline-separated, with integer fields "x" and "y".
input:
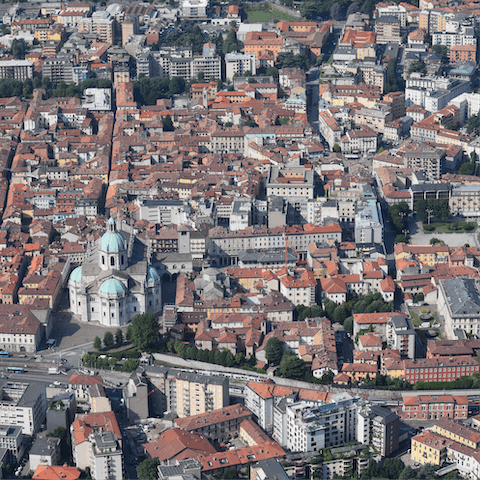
{"x": 272, "y": 72}
{"x": 273, "y": 351}
{"x": 419, "y": 297}
{"x": 108, "y": 340}
{"x": 400, "y": 239}
{"x": 434, "y": 241}
{"x": 473, "y": 124}
{"x": 291, "y": 366}
{"x": 468, "y": 168}
{"x": 65, "y": 449}
{"x": 145, "y": 330}
{"x": 97, "y": 343}
{"x": 200, "y": 77}
{"x": 119, "y": 336}
{"x": 399, "y": 215}
{"x": 336, "y": 148}
{"x": 419, "y": 67}
{"x": 339, "y": 315}
{"x": 348, "y": 325}
{"x": 18, "y": 49}
{"x": 231, "y": 43}
{"x": 443, "y": 51}
{"x": 147, "y": 470}
{"x": 168, "y": 124}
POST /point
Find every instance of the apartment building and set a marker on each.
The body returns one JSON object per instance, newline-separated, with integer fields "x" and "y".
{"x": 58, "y": 69}
{"x": 329, "y": 128}
{"x": 194, "y": 9}
{"x": 196, "y": 395}
{"x": 312, "y": 428}
{"x": 397, "y": 11}
{"x": 373, "y": 118}
{"x": 219, "y": 426}
{"x": 16, "y": 69}
{"x": 380, "y": 427}
{"x": 238, "y": 64}
{"x": 388, "y": 30}
{"x": 401, "y": 335}
{"x": 465, "y": 200}
{"x": 44, "y": 451}
{"x": 429, "y": 160}
{"x": 368, "y": 222}
{"x": 429, "y": 447}
{"x": 97, "y": 444}
{"x": 11, "y": 439}
{"x": 22, "y": 405}
{"x": 459, "y": 303}
{"x": 435, "y": 406}
{"x": 359, "y": 142}
{"x": 458, "y": 432}
{"x": 463, "y": 53}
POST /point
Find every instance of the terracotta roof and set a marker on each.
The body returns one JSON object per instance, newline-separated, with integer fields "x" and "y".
{"x": 222, "y": 415}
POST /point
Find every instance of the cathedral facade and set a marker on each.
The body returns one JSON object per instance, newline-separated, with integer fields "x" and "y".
{"x": 115, "y": 282}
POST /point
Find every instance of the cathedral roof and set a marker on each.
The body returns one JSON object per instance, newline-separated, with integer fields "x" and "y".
{"x": 76, "y": 275}
{"x": 112, "y": 286}
{"x": 152, "y": 274}
{"x": 112, "y": 242}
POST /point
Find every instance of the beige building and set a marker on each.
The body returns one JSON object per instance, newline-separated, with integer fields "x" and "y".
{"x": 372, "y": 118}
{"x": 98, "y": 399}
{"x": 200, "y": 395}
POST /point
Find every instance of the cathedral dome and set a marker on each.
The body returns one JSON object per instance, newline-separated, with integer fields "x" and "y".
{"x": 112, "y": 286}
{"x": 76, "y": 275}
{"x": 112, "y": 241}
{"x": 152, "y": 274}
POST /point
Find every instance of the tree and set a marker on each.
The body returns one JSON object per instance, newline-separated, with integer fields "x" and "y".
{"x": 419, "y": 297}
{"x": 399, "y": 215}
{"x": 18, "y": 49}
{"x": 119, "y": 336}
{"x": 97, "y": 343}
{"x": 273, "y": 351}
{"x": 434, "y": 241}
{"x": 468, "y": 168}
{"x": 348, "y": 325}
{"x": 272, "y": 72}
{"x": 400, "y": 239}
{"x": 147, "y": 470}
{"x": 108, "y": 340}
{"x": 336, "y": 11}
{"x": 339, "y": 315}
{"x": 145, "y": 330}
{"x": 443, "y": 51}
{"x": 291, "y": 366}
{"x": 168, "y": 124}
{"x": 63, "y": 435}
{"x": 201, "y": 77}
{"x": 417, "y": 67}
{"x": 473, "y": 124}
{"x": 231, "y": 43}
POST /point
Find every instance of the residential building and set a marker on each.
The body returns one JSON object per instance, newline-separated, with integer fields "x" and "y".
{"x": 23, "y": 405}
{"x": 359, "y": 142}
{"x": 388, "y": 30}
{"x": 312, "y": 428}
{"x": 44, "y": 451}
{"x": 368, "y": 222}
{"x": 238, "y": 64}
{"x": 16, "y": 69}
{"x": 397, "y": 11}
{"x": 136, "y": 396}
{"x": 457, "y": 431}
{"x": 435, "y": 407}
{"x": 463, "y": 53}
{"x": 50, "y": 472}
{"x": 380, "y": 427}
{"x": 11, "y": 439}
{"x": 196, "y": 395}
{"x": 401, "y": 335}
{"x": 58, "y": 69}
{"x": 219, "y": 426}
{"x": 429, "y": 448}
{"x": 268, "y": 469}
{"x": 97, "y": 444}
{"x": 429, "y": 160}
{"x": 194, "y": 9}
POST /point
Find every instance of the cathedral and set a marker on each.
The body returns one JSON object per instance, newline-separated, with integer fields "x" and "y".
{"x": 115, "y": 282}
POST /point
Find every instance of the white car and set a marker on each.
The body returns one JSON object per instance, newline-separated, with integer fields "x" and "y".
{"x": 56, "y": 383}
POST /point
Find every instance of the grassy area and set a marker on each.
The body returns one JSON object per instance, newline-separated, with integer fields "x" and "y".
{"x": 265, "y": 13}
{"x": 435, "y": 319}
{"x": 415, "y": 319}
{"x": 450, "y": 227}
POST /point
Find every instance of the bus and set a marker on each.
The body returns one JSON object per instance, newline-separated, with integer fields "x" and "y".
{"x": 14, "y": 370}
{"x": 4, "y": 354}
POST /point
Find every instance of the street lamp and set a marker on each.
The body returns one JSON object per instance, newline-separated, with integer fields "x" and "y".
{"x": 429, "y": 214}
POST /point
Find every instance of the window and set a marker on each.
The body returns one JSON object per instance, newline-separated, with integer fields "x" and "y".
{"x": 112, "y": 261}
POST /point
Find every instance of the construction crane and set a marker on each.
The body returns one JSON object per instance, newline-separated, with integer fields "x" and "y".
{"x": 147, "y": 395}
{"x": 300, "y": 262}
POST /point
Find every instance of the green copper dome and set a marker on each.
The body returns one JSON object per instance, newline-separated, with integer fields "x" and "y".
{"x": 76, "y": 275}
{"x": 152, "y": 274}
{"x": 112, "y": 241}
{"x": 112, "y": 286}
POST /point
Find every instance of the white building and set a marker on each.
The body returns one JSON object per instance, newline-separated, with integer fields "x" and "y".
{"x": 241, "y": 215}
{"x": 290, "y": 182}
{"x": 401, "y": 335}
{"x": 368, "y": 223}
{"x": 396, "y": 11}
{"x": 106, "y": 456}
{"x": 239, "y": 64}
{"x": 98, "y": 99}
{"x": 311, "y": 428}
{"x": 22, "y": 405}
{"x": 16, "y": 69}
{"x": 116, "y": 282}
{"x": 194, "y": 9}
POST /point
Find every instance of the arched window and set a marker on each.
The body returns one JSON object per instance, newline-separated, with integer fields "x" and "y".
{"x": 112, "y": 261}
{"x": 122, "y": 260}
{"x": 103, "y": 260}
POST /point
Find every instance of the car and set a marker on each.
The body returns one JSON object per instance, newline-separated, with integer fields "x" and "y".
{"x": 64, "y": 360}
{"x": 56, "y": 383}
{"x": 416, "y": 464}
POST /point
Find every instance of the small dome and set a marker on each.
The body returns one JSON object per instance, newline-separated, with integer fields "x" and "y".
{"x": 112, "y": 242}
{"x": 112, "y": 286}
{"x": 152, "y": 274}
{"x": 76, "y": 275}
